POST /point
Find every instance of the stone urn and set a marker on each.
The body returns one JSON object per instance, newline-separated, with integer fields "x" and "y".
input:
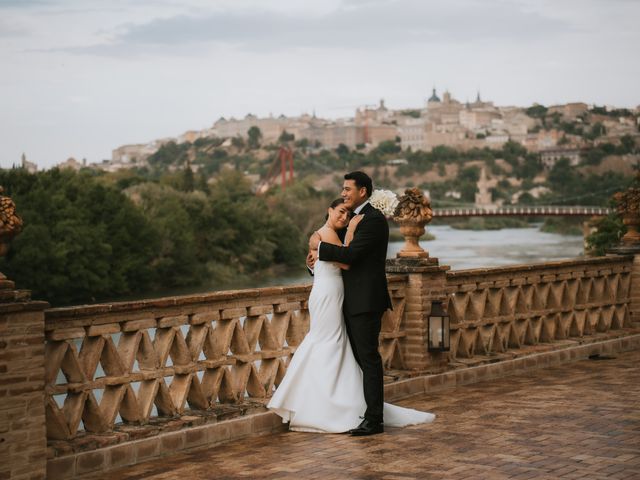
{"x": 628, "y": 207}
{"x": 10, "y": 222}
{"x": 412, "y": 214}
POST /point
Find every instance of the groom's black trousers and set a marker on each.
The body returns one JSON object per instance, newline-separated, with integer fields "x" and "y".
{"x": 364, "y": 330}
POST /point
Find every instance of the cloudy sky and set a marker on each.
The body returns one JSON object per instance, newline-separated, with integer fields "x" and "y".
{"x": 81, "y": 77}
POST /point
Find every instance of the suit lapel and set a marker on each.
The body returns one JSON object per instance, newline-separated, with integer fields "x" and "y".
{"x": 368, "y": 208}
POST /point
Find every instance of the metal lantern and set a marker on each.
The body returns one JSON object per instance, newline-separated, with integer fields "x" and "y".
{"x": 438, "y": 328}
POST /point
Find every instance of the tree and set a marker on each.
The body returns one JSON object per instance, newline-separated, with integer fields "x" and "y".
{"x": 609, "y": 231}
{"x": 469, "y": 174}
{"x": 342, "y": 150}
{"x": 597, "y": 130}
{"x": 188, "y": 181}
{"x": 286, "y": 137}
{"x": 388, "y": 147}
{"x": 83, "y": 240}
{"x": 627, "y": 144}
{"x": 238, "y": 142}
{"x": 536, "y": 111}
{"x": 255, "y": 136}
{"x": 303, "y": 143}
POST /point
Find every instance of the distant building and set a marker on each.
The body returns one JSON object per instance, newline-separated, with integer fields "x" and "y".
{"x": 271, "y": 127}
{"x": 549, "y": 157}
{"x": 569, "y": 111}
{"x": 135, "y": 153}
{"x": 465, "y": 126}
{"x": 72, "y": 164}
{"x": 412, "y": 134}
{"x": 332, "y": 136}
{"x": 27, "y": 165}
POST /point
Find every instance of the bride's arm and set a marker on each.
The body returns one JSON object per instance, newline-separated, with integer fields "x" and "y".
{"x": 330, "y": 236}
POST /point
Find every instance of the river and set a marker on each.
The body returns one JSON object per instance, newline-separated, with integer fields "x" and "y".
{"x": 461, "y": 249}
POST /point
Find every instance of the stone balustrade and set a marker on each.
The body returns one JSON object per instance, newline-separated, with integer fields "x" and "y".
{"x": 493, "y": 310}
{"x": 129, "y": 362}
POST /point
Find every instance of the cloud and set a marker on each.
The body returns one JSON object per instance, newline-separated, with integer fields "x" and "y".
{"x": 356, "y": 24}
{"x": 9, "y": 29}
{"x": 23, "y": 3}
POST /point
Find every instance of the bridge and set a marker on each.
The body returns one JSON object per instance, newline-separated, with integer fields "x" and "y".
{"x": 526, "y": 211}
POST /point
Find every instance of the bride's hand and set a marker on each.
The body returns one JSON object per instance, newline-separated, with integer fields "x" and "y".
{"x": 352, "y": 228}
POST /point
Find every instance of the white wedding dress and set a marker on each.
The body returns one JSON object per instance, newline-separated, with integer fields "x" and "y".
{"x": 322, "y": 390}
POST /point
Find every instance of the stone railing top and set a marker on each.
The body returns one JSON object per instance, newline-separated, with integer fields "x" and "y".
{"x": 183, "y": 300}
{"x": 529, "y": 267}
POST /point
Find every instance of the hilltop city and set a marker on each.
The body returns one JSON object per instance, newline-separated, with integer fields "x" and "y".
{"x": 554, "y": 132}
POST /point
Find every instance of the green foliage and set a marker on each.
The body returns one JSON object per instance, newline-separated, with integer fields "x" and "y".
{"x": 470, "y": 174}
{"x": 85, "y": 240}
{"x": 303, "y": 143}
{"x": 627, "y": 144}
{"x": 387, "y": 147}
{"x": 528, "y": 167}
{"x": 571, "y": 187}
{"x": 609, "y": 231}
{"x": 562, "y": 226}
{"x": 170, "y": 153}
{"x": 616, "y": 112}
{"x": 342, "y": 150}
{"x": 255, "y": 136}
{"x": 411, "y": 113}
{"x": 286, "y": 137}
{"x": 238, "y": 142}
{"x": 536, "y": 111}
{"x": 82, "y": 240}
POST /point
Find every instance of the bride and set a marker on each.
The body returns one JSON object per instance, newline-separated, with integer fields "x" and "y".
{"x": 322, "y": 390}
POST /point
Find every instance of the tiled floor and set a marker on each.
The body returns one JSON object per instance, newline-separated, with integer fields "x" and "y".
{"x": 579, "y": 420}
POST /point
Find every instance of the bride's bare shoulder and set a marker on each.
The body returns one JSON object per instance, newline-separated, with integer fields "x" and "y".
{"x": 329, "y": 235}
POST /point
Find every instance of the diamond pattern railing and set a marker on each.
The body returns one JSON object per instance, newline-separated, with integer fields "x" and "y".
{"x": 129, "y": 362}
{"x": 493, "y": 310}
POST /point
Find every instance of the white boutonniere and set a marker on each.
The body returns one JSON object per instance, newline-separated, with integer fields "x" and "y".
{"x": 385, "y": 201}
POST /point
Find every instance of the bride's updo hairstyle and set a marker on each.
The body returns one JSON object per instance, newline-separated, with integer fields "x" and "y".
{"x": 334, "y": 204}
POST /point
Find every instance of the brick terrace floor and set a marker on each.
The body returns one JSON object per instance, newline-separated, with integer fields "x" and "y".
{"x": 579, "y": 420}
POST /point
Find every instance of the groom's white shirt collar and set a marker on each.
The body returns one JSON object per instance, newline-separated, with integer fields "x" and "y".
{"x": 359, "y": 208}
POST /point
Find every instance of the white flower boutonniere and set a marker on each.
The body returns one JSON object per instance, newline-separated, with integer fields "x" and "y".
{"x": 384, "y": 200}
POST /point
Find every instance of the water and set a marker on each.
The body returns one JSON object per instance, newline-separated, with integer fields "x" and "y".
{"x": 461, "y": 249}
{"x": 492, "y": 248}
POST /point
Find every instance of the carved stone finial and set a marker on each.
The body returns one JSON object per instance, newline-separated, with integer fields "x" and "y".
{"x": 10, "y": 222}
{"x": 412, "y": 214}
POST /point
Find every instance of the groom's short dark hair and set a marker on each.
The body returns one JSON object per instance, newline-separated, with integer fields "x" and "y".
{"x": 362, "y": 180}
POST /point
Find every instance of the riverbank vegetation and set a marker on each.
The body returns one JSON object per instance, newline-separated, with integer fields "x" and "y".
{"x": 85, "y": 239}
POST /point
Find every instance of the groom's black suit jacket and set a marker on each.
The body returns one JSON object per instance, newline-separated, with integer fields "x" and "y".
{"x": 365, "y": 283}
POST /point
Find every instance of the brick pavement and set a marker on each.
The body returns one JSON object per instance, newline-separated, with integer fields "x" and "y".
{"x": 573, "y": 421}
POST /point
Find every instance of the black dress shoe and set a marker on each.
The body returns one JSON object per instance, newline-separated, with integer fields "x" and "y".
{"x": 367, "y": 427}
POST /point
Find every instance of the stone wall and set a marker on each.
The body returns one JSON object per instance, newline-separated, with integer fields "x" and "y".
{"x": 23, "y": 444}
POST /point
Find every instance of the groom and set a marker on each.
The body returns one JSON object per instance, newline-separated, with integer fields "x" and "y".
{"x": 366, "y": 296}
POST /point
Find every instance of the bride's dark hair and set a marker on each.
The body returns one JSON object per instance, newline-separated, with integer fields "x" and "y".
{"x": 334, "y": 204}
